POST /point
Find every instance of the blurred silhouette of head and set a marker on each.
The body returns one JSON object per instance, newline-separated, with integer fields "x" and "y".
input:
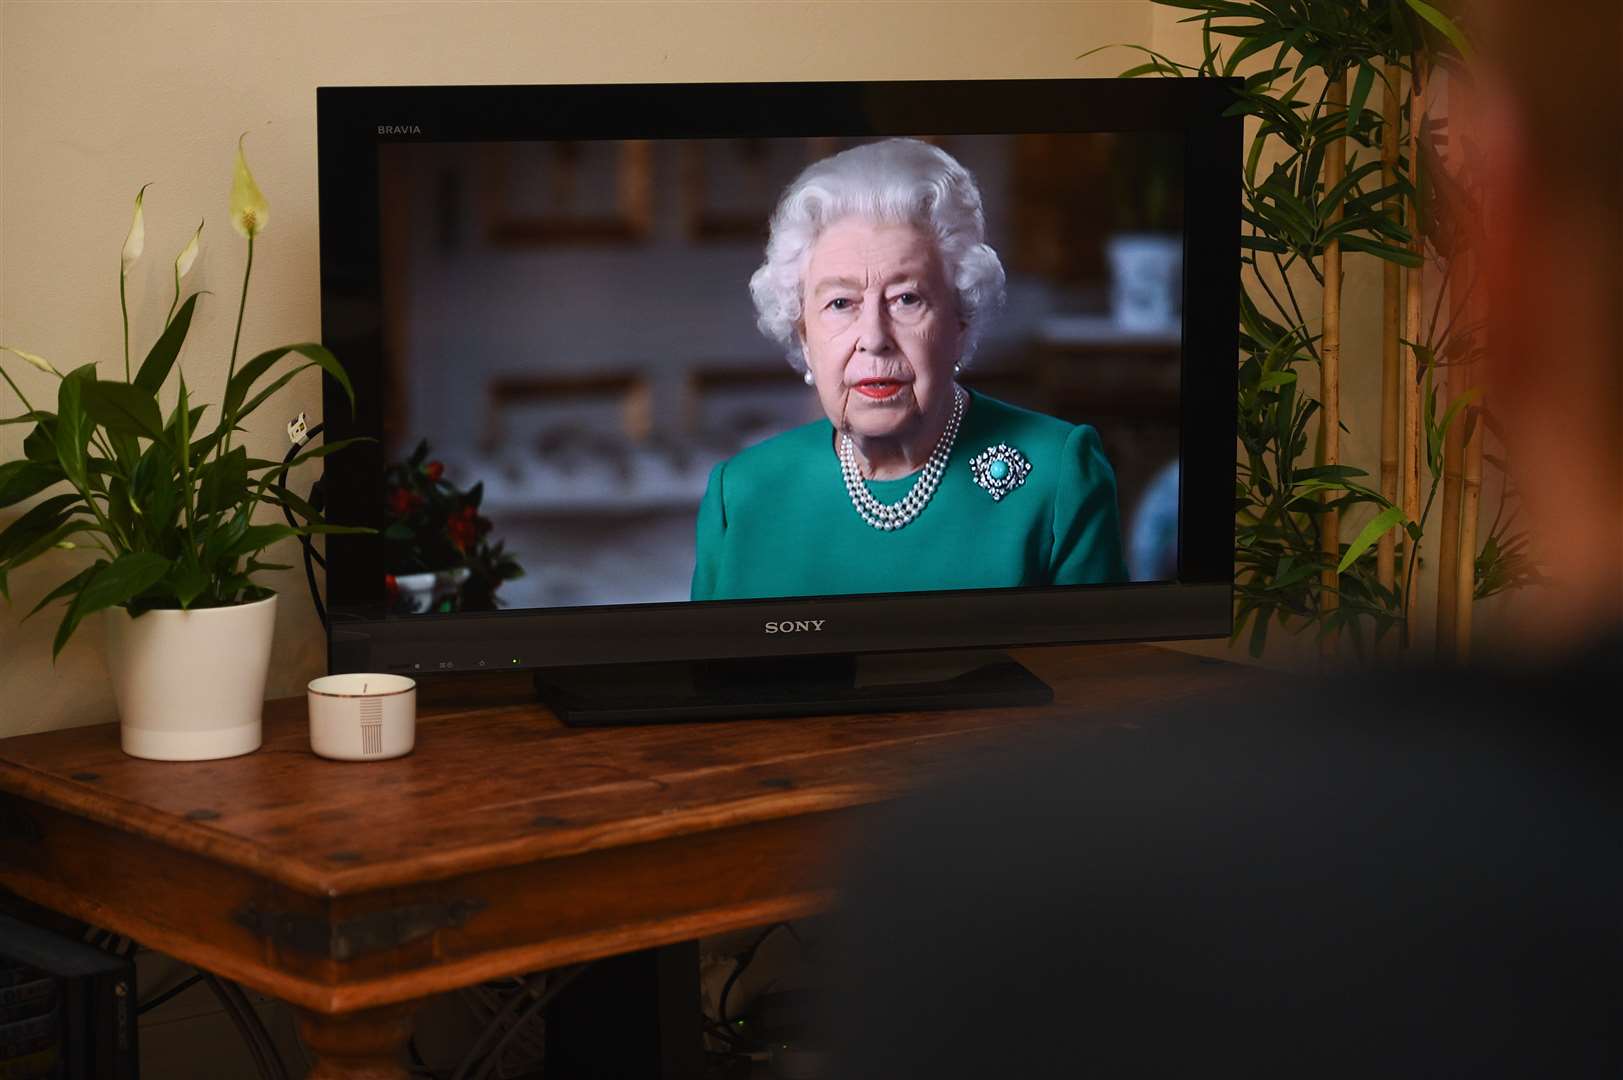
{"x": 1544, "y": 111}
{"x": 1411, "y": 874}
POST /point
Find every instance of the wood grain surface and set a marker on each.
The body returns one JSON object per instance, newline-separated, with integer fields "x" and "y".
{"x": 505, "y": 842}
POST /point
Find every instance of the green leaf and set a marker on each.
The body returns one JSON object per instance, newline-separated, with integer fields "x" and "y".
{"x": 115, "y": 583}
{"x": 72, "y": 431}
{"x": 41, "y": 520}
{"x": 124, "y": 408}
{"x": 232, "y": 585}
{"x": 1263, "y": 243}
{"x": 254, "y": 566}
{"x": 203, "y": 447}
{"x": 183, "y": 432}
{"x": 1360, "y": 91}
{"x": 283, "y": 497}
{"x": 1337, "y": 194}
{"x": 1255, "y": 85}
{"x": 187, "y": 581}
{"x": 121, "y": 509}
{"x": 1444, "y": 24}
{"x": 314, "y": 452}
{"x": 155, "y": 369}
{"x": 257, "y": 538}
{"x": 1144, "y": 69}
{"x": 223, "y": 482}
{"x": 40, "y": 445}
{"x": 1297, "y": 574}
{"x": 1285, "y": 207}
{"x": 1246, "y": 48}
{"x": 1378, "y": 526}
{"x": 1285, "y": 46}
{"x": 221, "y": 538}
{"x": 250, "y": 373}
{"x": 1254, "y": 157}
{"x": 71, "y": 527}
{"x": 126, "y": 451}
{"x": 1401, "y": 256}
{"x": 1287, "y": 396}
{"x": 172, "y": 425}
{"x": 1454, "y": 409}
{"x": 22, "y": 479}
{"x": 155, "y": 489}
{"x": 260, "y": 398}
{"x": 1171, "y": 64}
{"x": 67, "y": 588}
{"x": 323, "y": 528}
{"x": 1329, "y": 472}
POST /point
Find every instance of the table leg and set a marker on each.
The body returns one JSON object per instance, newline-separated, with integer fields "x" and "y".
{"x": 365, "y": 1045}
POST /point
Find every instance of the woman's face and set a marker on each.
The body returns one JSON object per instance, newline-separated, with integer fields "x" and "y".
{"x": 881, "y": 329}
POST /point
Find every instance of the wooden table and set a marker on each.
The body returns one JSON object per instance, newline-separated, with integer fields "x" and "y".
{"x": 506, "y": 843}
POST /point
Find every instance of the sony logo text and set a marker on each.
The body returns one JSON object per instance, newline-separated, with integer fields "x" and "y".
{"x": 796, "y": 626}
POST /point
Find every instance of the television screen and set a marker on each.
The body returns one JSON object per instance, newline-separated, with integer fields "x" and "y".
{"x": 685, "y": 351}
{"x": 583, "y": 381}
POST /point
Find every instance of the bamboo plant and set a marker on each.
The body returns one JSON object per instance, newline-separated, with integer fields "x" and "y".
{"x": 1339, "y": 93}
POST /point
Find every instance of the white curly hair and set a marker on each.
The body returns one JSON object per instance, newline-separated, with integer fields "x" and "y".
{"x": 896, "y": 180}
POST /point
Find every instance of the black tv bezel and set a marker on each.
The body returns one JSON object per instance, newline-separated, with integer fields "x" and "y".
{"x": 352, "y": 122}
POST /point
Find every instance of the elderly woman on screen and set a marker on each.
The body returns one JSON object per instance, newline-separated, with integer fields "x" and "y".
{"x": 878, "y": 284}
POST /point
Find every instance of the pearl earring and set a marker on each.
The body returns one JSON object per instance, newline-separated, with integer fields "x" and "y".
{"x": 809, "y": 379}
{"x": 957, "y": 369}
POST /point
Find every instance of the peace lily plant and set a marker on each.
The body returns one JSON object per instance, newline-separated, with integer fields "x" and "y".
{"x": 163, "y": 498}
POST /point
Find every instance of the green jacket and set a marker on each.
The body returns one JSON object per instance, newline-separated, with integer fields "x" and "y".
{"x": 776, "y": 519}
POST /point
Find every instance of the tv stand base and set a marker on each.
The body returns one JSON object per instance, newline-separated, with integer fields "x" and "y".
{"x": 674, "y": 692}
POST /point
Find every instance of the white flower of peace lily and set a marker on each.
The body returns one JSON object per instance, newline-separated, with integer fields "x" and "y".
{"x": 188, "y": 255}
{"x": 38, "y": 361}
{"x": 136, "y": 240}
{"x": 249, "y": 210}
{"x": 183, "y": 266}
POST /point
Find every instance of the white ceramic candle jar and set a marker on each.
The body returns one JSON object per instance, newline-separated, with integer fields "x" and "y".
{"x": 362, "y": 717}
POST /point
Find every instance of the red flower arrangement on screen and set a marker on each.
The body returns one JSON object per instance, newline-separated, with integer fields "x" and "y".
{"x": 465, "y": 527}
{"x": 434, "y": 526}
{"x": 403, "y": 502}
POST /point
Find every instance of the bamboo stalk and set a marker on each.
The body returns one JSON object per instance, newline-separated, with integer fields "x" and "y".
{"x": 1413, "y": 277}
{"x": 1391, "y": 294}
{"x": 1449, "y": 551}
{"x": 1335, "y": 167}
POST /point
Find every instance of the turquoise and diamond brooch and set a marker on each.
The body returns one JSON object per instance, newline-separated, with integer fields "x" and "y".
{"x": 1000, "y": 469}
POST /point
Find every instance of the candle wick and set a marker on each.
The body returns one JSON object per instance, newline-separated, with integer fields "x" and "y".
{"x": 363, "y": 688}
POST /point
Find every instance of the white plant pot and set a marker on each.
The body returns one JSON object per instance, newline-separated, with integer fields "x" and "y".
{"x": 1146, "y": 278}
{"x": 190, "y": 685}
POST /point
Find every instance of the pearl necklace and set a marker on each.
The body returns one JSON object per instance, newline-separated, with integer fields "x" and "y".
{"x": 895, "y": 515}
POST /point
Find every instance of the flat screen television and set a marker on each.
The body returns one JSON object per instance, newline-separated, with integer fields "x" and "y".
{"x": 732, "y": 399}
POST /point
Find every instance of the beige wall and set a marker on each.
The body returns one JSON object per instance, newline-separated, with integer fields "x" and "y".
{"x": 99, "y": 98}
